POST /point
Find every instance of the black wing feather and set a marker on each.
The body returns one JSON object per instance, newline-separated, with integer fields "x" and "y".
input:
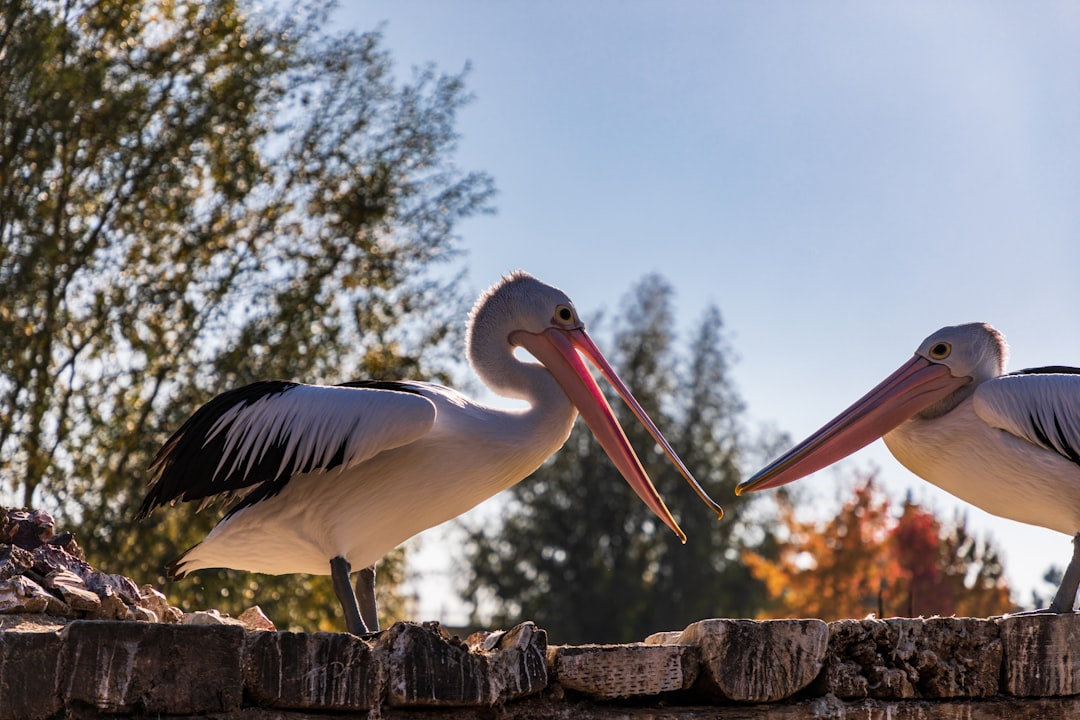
{"x": 186, "y": 466}
{"x": 204, "y": 461}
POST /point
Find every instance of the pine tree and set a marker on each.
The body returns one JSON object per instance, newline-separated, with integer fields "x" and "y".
{"x": 577, "y": 552}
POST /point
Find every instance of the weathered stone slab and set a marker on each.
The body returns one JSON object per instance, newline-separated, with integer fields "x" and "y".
{"x": 903, "y": 658}
{"x": 425, "y": 666}
{"x": 310, "y": 671}
{"x": 124, "y": 667}
{"x": 517, "y": 662}
{"x": 1041, "y": 654}
{"x": 608, "y": 672}
{"x": 29, "y": 663}
{"x": 757, "y": 660}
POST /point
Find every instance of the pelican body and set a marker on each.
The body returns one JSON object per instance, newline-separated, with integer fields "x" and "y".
{"x": 325, "y": 478}
{"x": 1006, "y": 443}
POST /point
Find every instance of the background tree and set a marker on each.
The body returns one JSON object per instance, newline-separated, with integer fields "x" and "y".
{"x": 866, "y": 561}
{"x": 578, "y": 553}
{"x": 192, "y": 198}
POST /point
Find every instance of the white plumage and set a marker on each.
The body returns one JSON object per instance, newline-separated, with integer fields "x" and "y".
{"x": 328, "y": 477}
{"x": 1005, "y": 443}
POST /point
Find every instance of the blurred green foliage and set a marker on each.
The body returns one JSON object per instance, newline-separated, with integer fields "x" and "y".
{"x": 193, "y": 197}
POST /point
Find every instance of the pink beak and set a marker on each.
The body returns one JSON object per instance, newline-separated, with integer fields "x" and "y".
{"x": 917, "y": 385}
{"x": 558, "y": 350}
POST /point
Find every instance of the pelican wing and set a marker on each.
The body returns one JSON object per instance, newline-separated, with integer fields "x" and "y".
{"x": 1041, "y": 406}
{"x": 247, "y": 443}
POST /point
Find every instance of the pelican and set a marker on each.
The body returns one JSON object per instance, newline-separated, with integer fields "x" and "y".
{"x": 327, "y": 478}
{"x": 1007, "y": 443}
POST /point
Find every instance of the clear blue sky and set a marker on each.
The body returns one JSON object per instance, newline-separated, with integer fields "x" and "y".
{"x": 839, "y": 178}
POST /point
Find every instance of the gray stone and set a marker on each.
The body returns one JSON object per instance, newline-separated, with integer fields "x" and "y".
{"x": 103, "y": 583}
{"x": 607, "y": 672}
{"x": 667, "y": 637}
{"x": 29, "y": 663}
{"x": 73, "y": 590}
{"x": 20, "y": 594}
{"x": 112, "y": 607}
{"x": 310, "y": 671}
{"x": 154, "y": 600}
{"x": 426, "y": 666}
{"x": 14, "y": 561}
{"x": 255, "y": 619}
{"x": 48, "y": 558}
{"x": 209, "y": 617}
{"x": 124, "y": 667}
{"x": 757, "y": 660}
{"x": 141, "y": 614}
{"x": 517, "y": 663}
{"x": 1041, "y": 654}
{"x": 903, "y": 658}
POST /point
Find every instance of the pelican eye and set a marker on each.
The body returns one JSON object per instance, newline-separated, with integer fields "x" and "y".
{"x": 564, "y": 314}
{"x": 940, "y": 351}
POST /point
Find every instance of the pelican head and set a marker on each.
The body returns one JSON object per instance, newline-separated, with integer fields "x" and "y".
{"x": 945, "y": 369}
{"x": 521, "y": 311}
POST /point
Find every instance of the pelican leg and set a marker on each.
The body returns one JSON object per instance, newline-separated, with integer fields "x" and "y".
{"x": 365, "y": 595}
{"x": 1065, "y": 599}
{"x": 339, "y": 572}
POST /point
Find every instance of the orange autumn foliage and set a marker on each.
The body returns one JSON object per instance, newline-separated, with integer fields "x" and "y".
{"x": 866, "y": 561}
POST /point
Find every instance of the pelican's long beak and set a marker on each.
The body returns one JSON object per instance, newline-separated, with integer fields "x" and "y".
{"x": 917, "y": 385}
{"x": 558, "y": 350}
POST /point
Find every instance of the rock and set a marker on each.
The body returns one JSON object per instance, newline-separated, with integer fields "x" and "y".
{"x": 154, "y": 600}
{"x": 14, "y": 561}
{"x": 903, "y": 658}
{"x": 518, "y": 662}
{"x": 112, "y": 607}
{"x": 102, "y": 583}
{"x": 20, "y": 594}
{"x": 1041, "y": 654}
{"x": 608, "y": 672}
{"x": 141, "y": 614}
{"x": 29, "y": 668}
{"x": 668, "y": 637}
{"x": 50, "y": 558}
{"x": 152, "y": 668}
{"x": 757, "y": 660}
{"x": 26, "y": 528}
{"x": 425, "y": 666}
{"x": 316, "y": 671}
{"x": 209, "y": 617}
{"x": 255, "y": 619}
{"x": 73, "y": 590}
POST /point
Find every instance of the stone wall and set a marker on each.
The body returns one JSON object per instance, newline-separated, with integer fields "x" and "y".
{"x": 1013, "y": 667}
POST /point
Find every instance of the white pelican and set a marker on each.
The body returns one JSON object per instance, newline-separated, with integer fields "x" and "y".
{"x": 331, "y": 477}
{"x": 1007, "y": 443}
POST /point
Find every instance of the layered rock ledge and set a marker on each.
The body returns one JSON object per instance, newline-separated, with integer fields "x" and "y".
{"x": 1011, "y": 667}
